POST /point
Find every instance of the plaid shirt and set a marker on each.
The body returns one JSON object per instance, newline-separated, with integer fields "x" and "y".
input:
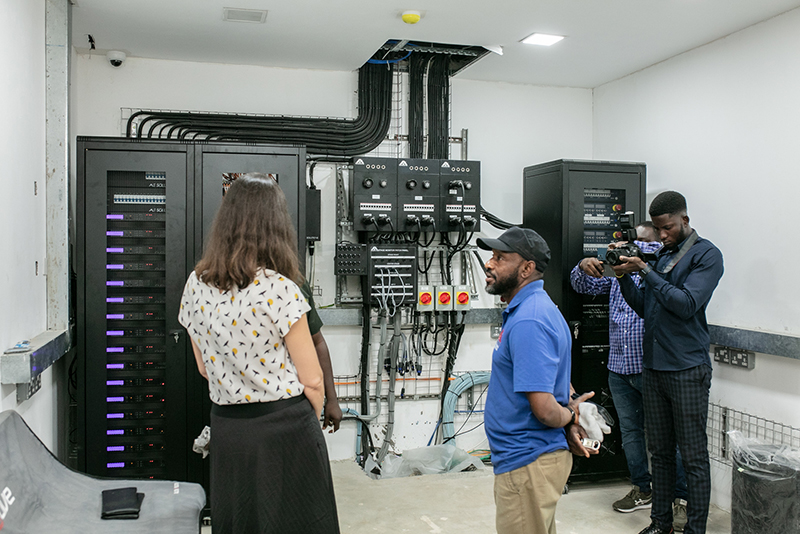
{"x": 625, "y": 328}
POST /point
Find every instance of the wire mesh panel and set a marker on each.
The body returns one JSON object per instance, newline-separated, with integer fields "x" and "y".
{"x": 722, "y": 420}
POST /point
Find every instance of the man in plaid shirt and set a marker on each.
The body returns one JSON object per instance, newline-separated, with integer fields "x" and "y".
{"x": 626, "y": 332}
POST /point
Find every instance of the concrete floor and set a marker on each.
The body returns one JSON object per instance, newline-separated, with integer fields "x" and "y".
{"x": 462, "y": 503}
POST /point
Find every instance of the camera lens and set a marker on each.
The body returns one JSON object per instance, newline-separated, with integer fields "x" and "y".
{"x": 612, "y": 257}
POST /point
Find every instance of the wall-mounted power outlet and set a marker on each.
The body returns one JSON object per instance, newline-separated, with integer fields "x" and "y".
{"x": 495, "y": 331}
{"x": 744, "y": 359}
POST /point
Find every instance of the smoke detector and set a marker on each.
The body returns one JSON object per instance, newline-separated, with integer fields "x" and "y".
{"x": 411, "y": 17}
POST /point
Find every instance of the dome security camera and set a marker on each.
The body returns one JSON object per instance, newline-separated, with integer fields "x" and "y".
{"x": 116, "y": 58}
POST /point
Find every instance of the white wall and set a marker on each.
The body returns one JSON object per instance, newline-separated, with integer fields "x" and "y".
{"x": 720, "y": 125}
{"x": 101, "y": 90}
{"x": 23, "y": 313}
{"x": 510, "y": 127}
{"x": 513, "y": 126}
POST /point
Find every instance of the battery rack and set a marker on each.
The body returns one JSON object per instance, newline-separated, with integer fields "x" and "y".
{"x": 135, "y": 323}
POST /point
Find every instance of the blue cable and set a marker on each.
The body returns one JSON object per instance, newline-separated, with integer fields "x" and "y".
{"x": 388, "y": 61}
{"x": 459, "y": 385}
{"x": 359, "y": 424}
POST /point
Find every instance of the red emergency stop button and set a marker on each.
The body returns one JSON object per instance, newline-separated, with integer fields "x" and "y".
{"x": 444, "y": 298}
{"x": 463, "y": 297}
{"x": 425, "y": 298}
{"x": 617, "y": 207}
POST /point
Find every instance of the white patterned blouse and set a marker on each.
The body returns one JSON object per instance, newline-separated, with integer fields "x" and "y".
{"x": 240, "y": 334}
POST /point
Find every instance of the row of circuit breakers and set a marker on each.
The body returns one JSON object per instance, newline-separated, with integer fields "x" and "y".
{"x": 415, "y": 195}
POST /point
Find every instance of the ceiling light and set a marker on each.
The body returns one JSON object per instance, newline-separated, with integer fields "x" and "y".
{"x": 542, "y": 39}
{"x": 234, "y": 14}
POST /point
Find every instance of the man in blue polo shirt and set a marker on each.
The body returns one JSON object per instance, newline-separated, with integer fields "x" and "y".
{"x": 676, "y": 377}
{"x": 528, "y": 401}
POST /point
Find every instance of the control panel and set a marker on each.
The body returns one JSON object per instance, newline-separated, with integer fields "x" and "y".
{"x": 601, "y": 210}
{"x": 373, "y": 194}
{"x": 418, "y": 195}
{"x": 392, "y": 271}
{"x": 415, "y": 195}
{"x": 350, "y": 259}
{"x": 459, "y": 195}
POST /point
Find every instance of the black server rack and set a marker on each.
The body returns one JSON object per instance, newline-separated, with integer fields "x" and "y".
{"x": 574, "y": 205}
{"x": 143, "y": 211}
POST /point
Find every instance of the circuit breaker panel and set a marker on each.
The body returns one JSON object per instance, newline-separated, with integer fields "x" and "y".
{"x": 415, "y": 195}
{"x": 143, "y": 212}
{"x": 575, "y": 206}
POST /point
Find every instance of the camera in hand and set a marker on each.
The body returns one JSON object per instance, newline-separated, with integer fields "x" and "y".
{"x": 630, "y": 249}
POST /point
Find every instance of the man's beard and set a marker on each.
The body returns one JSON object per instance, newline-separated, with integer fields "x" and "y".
{"x": 505, "y": 285}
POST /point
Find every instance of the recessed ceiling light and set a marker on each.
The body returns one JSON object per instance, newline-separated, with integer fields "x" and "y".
{"x": 234, "y": 14}
{"x": 542, "y": 39}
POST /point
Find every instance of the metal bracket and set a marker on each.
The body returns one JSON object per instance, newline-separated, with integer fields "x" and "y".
{"x": 24, "y": 369}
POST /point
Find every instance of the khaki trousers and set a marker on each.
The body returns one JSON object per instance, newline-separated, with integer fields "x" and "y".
{"x": 526, "y": 497}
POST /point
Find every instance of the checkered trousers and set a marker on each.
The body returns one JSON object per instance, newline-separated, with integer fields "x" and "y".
{"x": 676, "y": 412}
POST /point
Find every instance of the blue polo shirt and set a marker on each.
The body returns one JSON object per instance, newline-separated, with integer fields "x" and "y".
{"x": 532, "y": 354}
{"x": 673, "y": 306}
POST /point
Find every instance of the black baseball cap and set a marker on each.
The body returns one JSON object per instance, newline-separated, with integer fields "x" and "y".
{"x": 524, "y": 241}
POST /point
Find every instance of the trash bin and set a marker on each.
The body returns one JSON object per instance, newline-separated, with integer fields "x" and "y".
{"x": 765, "y": 487}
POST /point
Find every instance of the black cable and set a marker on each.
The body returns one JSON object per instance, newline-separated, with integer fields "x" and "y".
{"x": 495, "y": 221}
{"x": 342, "y": 137}
{"x": 364, "y": 376}
{"x": 433, "y": 236}
{"x": 468, "y": 431}
{"x": 472, "y": 410}
{"x": 417, "y": 65}
{"x": 438, "y": 108}
{"x": 424, "y": 340}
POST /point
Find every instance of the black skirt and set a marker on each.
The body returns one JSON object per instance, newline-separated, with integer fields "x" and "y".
{"x": 270, "y": 471}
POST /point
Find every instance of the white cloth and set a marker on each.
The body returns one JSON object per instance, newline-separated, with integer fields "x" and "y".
{"x": 240, "y": 334}
{"x": 592, "y": 421}
{"x": 202, "y": 443}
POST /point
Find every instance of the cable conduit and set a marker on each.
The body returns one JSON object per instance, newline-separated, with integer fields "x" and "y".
{"x": 459, "y": 385}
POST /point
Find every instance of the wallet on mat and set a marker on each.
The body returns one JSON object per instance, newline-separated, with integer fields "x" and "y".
{"x": 121, "y": 503}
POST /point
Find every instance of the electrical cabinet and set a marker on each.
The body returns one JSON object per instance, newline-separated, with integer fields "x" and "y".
{"x": 393, "y": 275}
{"x": 415, "y": 195}
{"x": 143, "y": 212}
{"x": 460, "y": 195}
{"x": 574, "y": 206}
{"x": 418, "y": 195}
{"x": 373, "y": 194}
